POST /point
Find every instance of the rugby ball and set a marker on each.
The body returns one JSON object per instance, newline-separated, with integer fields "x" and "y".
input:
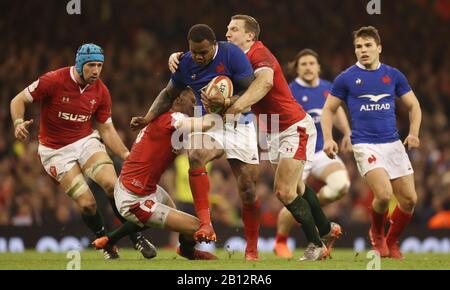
{"x": 225, "y": 87}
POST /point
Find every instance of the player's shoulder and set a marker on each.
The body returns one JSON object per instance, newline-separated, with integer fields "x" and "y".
{"x": 102, "y": 86}
{"x": 225, "y": 45}
{"x": 294, "y": 84}
{"x": 259, "y": 47}
{"x": 185, "y": 60}
{"x": 350, "y": 70}
{"x": 57, "y": 75}
{"x": 325, "y": 83}
{"x": 228, "y": 48}
{"x": 390, "y": 69}
{"x": 344, "y": 75}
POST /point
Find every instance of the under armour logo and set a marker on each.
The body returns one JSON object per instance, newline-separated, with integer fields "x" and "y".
{"x": 289, "y": 150}
{"x": 358, "y": 81}
{"x": 193, "y": 77}
{"x": 65, "y": 99}
{"x": 93, "y": 102}
{"x": 372, "y": 159}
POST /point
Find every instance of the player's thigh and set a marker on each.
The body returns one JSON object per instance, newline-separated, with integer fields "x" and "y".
{"x": 287, "y": 177}
{"x": 99, "y": 167}
{"x": 379, "y": 183}
{"x": 76, "y": 187}
{"x": 246, "y": 174}
{"x": 405, "y": 191}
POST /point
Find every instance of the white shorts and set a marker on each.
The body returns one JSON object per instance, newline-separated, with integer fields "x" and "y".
{"x": 57, "y": 162}
{"x": 238, "y": 140}
{"x": 390, "y": 156}
{"x": 296, "y": 142}
{"x": 150, "y": 210}
{"x": 319, "y": 163}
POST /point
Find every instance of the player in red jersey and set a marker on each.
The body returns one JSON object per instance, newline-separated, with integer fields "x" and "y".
{"x": 69, "y": 148}
{"x": 138, "y": 196}
{"x": 291, "y": 144}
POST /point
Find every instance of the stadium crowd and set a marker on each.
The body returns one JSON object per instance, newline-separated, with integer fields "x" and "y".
{"x": 137, "y": 38}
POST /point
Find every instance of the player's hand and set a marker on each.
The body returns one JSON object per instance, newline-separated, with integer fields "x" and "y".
{"x": 174, "y": 61}
{"x": 216, "y": 100}
{"x": 411, "y": 142}
{"x": 234, "y": 110}
{"x": 137, "y": 123}
{"x": 21, "y": 130}
{"x": 330, "y": 148}
{"x": 346, "y": 144}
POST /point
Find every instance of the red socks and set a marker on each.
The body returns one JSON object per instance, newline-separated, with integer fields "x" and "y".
{"x": 251, "y": 217}
{"x": 399, "y": 220}
{"x": 281, "y": 239}
{"x": 378, "y": 222}
{"x": 199, "y": 183}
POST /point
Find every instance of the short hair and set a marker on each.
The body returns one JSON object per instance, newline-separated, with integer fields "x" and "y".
{"x": 367, "y": 31}
{"x": 200, "y": 32}
{"x": 303, "y": 52}
{"x": 251, "y": 25}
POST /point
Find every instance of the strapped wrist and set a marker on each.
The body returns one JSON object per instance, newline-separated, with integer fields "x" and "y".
{"x": 227, "y": 103}
{"x": 18, "y": 122}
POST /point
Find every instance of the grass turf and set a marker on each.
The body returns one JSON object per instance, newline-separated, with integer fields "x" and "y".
{"x": 169, "y": 260}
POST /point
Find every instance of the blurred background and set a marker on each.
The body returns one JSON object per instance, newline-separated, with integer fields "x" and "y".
{"x": 138, "y": 37}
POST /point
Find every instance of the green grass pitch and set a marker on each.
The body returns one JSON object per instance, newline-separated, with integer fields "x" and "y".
{"x": 169, "y": 260}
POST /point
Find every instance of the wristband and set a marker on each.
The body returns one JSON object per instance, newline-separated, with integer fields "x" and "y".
{"x": 18, "y": 122}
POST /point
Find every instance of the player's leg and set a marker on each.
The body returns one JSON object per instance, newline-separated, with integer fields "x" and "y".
{"x": 74, "y": 184}
{"x": 199, "y": 182}
{"x": 378, "y": 181}
{"x": 99, "y": 167}
{"x": 246, "y": 175}
{"x": 287, "y": 176}
{"x": 405, "y": 192}
{"x": 286, "y": 221}
{"x": 284, "y": 224}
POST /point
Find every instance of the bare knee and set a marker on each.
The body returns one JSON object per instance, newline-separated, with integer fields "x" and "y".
{"x": 197, "y": 158}
{"x": 88, "y": 207}
{"x": 284, "y": 194}
{"x": 382, "y": 198}
{"x": 408, "y": 203}
{"x": 108, "y": 187}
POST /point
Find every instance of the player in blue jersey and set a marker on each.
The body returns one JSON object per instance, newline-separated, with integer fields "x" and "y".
{"x": 207, "y": 59}
{"x": 311, "y": 91}
{"x": 369, "y": 89}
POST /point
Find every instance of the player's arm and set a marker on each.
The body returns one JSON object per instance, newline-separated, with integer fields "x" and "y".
{"x": 17, "y": 108}
{"x": 415, "y": 118}
{"x": 342, "y": 124}
{"x": 262, "y": 84}
{"x": 218, "y": 99}
{"x": 198, "y": 124}
{"x": 112, "y": 140}
{"x": 330, "y": 147}
{"x": 162, "y": 104}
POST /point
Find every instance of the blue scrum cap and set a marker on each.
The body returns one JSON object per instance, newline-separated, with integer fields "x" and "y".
{"x": 87, "y": 53}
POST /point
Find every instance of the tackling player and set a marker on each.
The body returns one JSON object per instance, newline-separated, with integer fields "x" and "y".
{"x": 138, "y": 196}
{"x": 207, "y": 59}
{"x": 311, "y": 91}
